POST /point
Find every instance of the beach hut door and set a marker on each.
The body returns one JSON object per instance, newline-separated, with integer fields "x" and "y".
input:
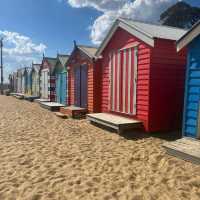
{"x": 123, "y": 65}
{"x": 81, "y": 95}
{"x": 63, "y": 88}
{"x": 77, "y": 77}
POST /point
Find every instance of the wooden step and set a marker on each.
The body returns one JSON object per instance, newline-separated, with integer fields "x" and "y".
{"x": 61, "y": 115}
{"x": 52, "y": 106}
{"x": 41, "y": 100}
{"x": 186, "y": 148}
{"x": 74, "y": 112}
{"x": 115, "y": 122}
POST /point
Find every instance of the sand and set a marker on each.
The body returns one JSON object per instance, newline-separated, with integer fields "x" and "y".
{"x": 45, "y": 157}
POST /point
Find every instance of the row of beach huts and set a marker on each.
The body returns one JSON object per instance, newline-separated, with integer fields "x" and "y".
{"x": 141, "y": 75}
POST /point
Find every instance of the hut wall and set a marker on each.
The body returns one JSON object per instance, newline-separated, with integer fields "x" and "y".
{"x": 167, "y": 77}
{"x": 120, "y": 40}
{"x": 191, "y": 122}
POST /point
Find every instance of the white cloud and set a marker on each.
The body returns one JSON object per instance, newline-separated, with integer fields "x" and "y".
{"x": 145, "y": 10}
{"x": 19, "y": 51}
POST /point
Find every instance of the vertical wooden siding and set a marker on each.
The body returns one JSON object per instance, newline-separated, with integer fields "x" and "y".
{"x": 80, "y": 59}
{"x": 120, "y": 40}
{"x": 192, "y": 91}
{"x": 167, "y": 75}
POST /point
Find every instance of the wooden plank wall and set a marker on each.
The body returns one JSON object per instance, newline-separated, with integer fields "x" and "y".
{"x": 120, "y": 40}
{"x": 167, "y": 75}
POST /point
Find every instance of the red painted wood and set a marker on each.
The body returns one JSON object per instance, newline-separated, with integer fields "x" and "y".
{"x": 93, "y": 80}
{"x": 160, "y": 81}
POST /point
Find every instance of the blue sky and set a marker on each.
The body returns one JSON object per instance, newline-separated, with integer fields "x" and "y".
{"x": 31, "y": 27}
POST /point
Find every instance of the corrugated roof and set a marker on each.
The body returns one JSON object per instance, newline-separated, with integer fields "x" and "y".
{"x": 63, "y": 59}
{"x": 189, "y": 36}
{"x": 155, "y": 30}
{"x": 146, "y": 32}
{"x": 89, "y": 50}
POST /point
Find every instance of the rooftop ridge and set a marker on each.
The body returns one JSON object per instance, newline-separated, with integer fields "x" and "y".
{"x": 150, "y": 23}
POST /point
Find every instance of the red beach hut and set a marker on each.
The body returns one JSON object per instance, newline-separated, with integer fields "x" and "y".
{"x": 142, "y": 74}
{"x": 83, "y": 81}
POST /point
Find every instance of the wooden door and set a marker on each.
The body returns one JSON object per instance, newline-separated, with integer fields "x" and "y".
{"x": 58, "y": 77}
{"x": 123, "y": 84}
{"x": 77, "y": 89}
{"x": 84, "y": 86}
{"x": 63, "y": 88}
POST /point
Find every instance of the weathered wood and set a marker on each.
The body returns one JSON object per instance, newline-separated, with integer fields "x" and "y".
{"x": 186, "y": 148}
{"x": 74, "y": 112}
{"x": 30, "y": 98}
{"x": 41, "y": 100}
{"x": 52, "y": 106}
{"x": 115, "y": 122}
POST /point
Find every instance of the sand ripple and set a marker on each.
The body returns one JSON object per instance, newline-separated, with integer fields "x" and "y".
{"x": 43, "y": 157}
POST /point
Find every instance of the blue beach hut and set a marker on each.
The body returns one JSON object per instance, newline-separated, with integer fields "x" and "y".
{"x": 60, "y": 72}
{"x": 191, "y": 121}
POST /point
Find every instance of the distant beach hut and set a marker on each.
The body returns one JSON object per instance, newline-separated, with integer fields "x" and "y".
{"x": 19, "y": 80}
{"x": 142, "y": 75}
{"x": 60, "y": 73}
{"x": 35, "y": 73}
{"x": 24, "y": 80}
{"x": 191, "y": 121}
{"x": 15, "y": 82}
{"x": 29, "y": 81}
{"x": 47, "y": 79}
{"x": 11, "y": 82}
{"x": 84, "y": 75}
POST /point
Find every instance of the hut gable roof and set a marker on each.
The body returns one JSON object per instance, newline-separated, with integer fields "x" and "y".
{"x": 144, "y": 31}
{"x": 63, "y": 59}
{"x": 52, "y": 63}
{"x": 88, "y": 50}
{"x": 36, "y": 67}
{"x": 189, "y": 36}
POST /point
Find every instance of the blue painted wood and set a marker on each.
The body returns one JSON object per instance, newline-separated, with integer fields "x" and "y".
{"x": 192, "y": 90}
{"x": 77, "y": 82}
{"x": 63, "y": 88}
{"x": 84, "y": 86}
{"x": 58, "y": 88}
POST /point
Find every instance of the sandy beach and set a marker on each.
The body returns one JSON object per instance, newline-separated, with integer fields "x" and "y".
{"x": 45, "y": 157}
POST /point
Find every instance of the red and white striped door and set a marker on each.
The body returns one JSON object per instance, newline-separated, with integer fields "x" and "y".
{"x": 123, "y": 81}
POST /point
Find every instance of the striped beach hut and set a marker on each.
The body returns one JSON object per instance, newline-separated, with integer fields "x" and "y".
{"x": 142, "y": 74}
{"x": 83, "y": 78}
{"x": 47, "y": 79}
{"x": 35, "y": 73}
{"x": 191, "y": 121}
{"x": 61, "y": 75}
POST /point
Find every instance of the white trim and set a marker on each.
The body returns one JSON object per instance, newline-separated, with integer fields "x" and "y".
{"x": 135, "y": 80}
{"x": 188, "y": 37}
{"x": 135, "y": 31}
{"x": 118, "y": 79}
{"x": 129, "y": 80}
{"x": 114, "y": 81}
{"x": 110, "y": 82}
{"x": 124, "y": 82}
